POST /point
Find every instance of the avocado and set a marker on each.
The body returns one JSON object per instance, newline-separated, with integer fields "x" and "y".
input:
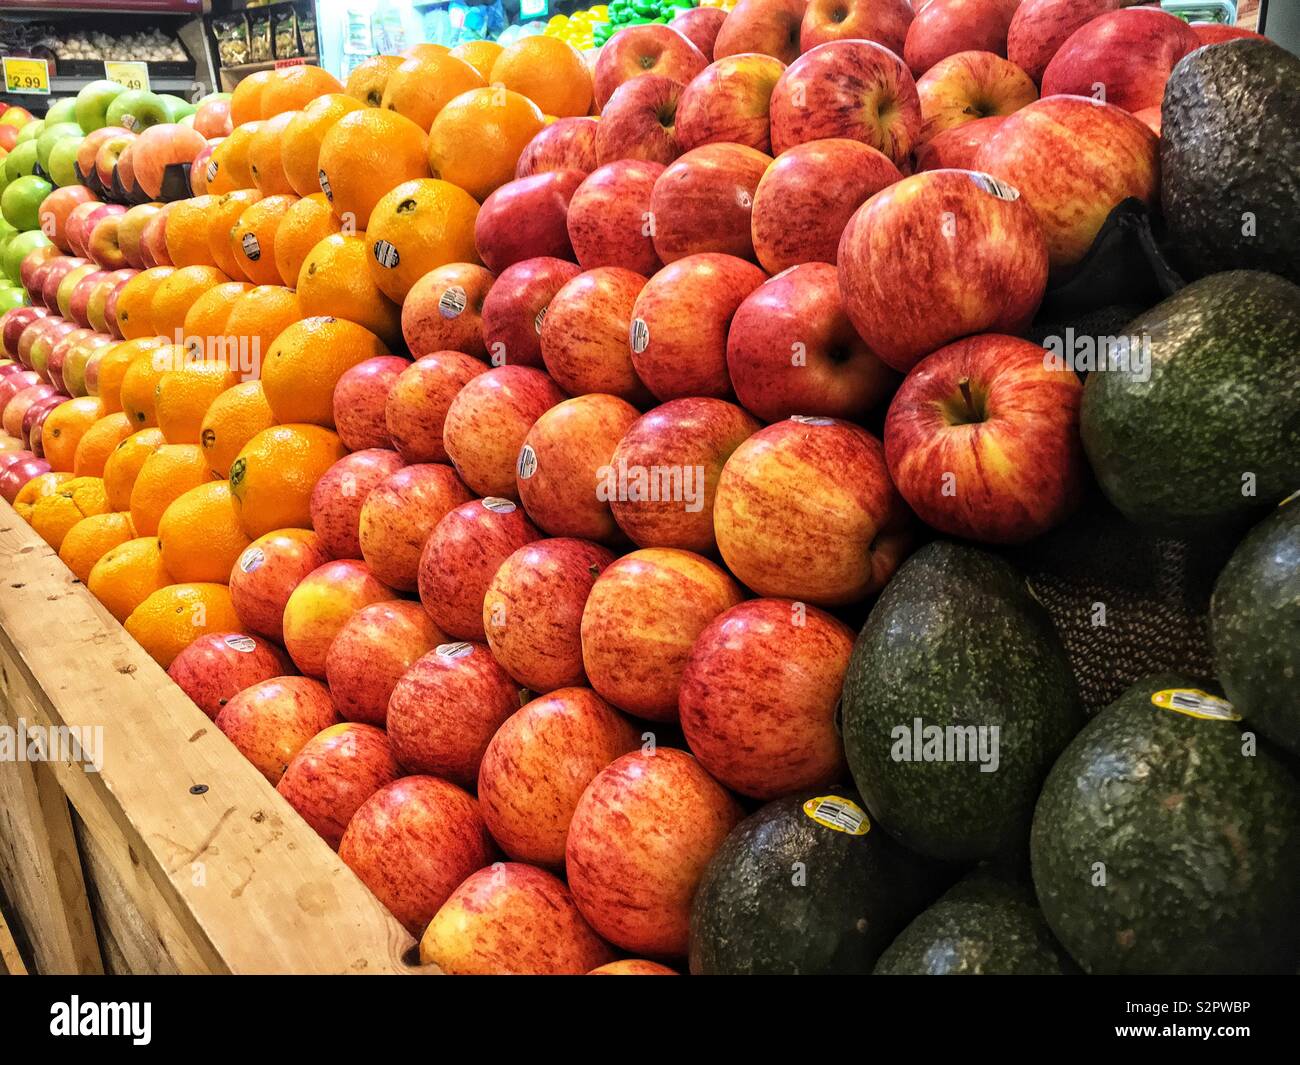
{"x": 1230, "y": 159}
{"x": 1167, "y": 843}
{"x": 791, "y": 891}
{"x": 1255, "y": 627}
{"x": 983, "y": 926}
{"x": 1204, "y": 434}
{"x": 957, "y": 699}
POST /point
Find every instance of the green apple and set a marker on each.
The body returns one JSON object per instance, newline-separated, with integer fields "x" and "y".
{"x": 31, "y": 131}
{"x": 7, "y": 233}
{"x": 91, "y": 106}
{"x": 21, "y": 161}
{"x": 18, "y": 249}
{"x": 137, "y": 110}
{"x": 11, "y": 296}
{"x": 176, "y": 107}
{"x": 52, "y": 134}
{"x": 62, "y": 166}
{"x": 63, "y": 109}
{"x": 20, "y": 203}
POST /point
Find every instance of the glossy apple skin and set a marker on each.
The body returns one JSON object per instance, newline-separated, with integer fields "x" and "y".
{"x": 17, "y": 474}
{"x": 399, "y": 513}
{"x": 560, "y": 464}
{"x": 1128, "y": 52}
{"x": 103, "y": 243}
{"x": 608, "y": 217}
{"x": 158, "y": 147}
{"x": 700, "y": 25}
{"x": 854, "y": 89}
{"x": 639, "y": 842}
{"x": 15, "y": 321}
{"x": 321, "y": 605}
{"x": 58, "y": 355}
{"x": 270, "y": 721}
{"x": 444, "y": 311}
{"x": 488, "y": 422}
{"x": 798, "y": 315}
{"x": 945, "y": 27}
{"x": 532, "y": 610}
{"x": 1011, "y": 475}
{"x": 806, "y": 510}
{"x": 526, "y": 218}
{"x": 336, "y": 771}
{"x": 265, "y": 575}
{"x": 93, "y": 141}
{"x": 566, "y": 144}
{"x": 703, "y": 202}
{"x": 216, "y": 667}
{"x": 584, "y": 335}
{"x": 644, "y": 613}
{"x": 539, "y": 763}
{"x": 54, "y": 273}
{"x": 768, "y": 27}
{"x": 55, "y": 209}
{"x": 968, "y": 86}
{"x": 956, "y": 148}
{"x": 97, "y": 305}
{"x": 360, "y": 399}
{"x": 512, "y": 920}
{"x": 412, "y": 842}
{"x": 446, "y": 708}
{"x": 1039, "y": 27}
{"x": 759, "y": 695}
{"x": 29, "y": 269}
{"x": 882, "y": 21}
{"x": 12, "y": 384}
{"x": 339, "y": 495}
{"x": 372, "y": 651}
{"x": 514, "y": 307}
{"x": 418, "y": 399}
{"x": 639, "y": 122}
{"x": 633, "y": 967}
{"x": 1073, "y": 159}
{"x": 635, "y": 51}
{"x": 79, "y": 301}
{"x": 808, "y": 195}
{"x": 727, "y": 103}
{"x": 1218, "y": 32}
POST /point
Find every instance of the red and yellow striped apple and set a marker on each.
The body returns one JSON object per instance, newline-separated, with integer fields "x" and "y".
{"x": 882, "y": 21}
{"x": 415, "y": 410}
{"x": 399, "y": 513}
{"x": 703, "y": 202}
{"x": 272, "y": 720}
{"x": 372, "y": 652}
{"x": 969, "y": 86}
{"x": 727, "y": 102}
{"x": 609, "y": 217}
{"x": 218, "y": 666}
{"x": 636, "y": 51}
{"x": 339, "y": 495}
{"x": 265, "y": 575}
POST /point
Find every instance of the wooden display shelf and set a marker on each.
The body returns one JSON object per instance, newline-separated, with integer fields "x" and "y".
{"x": 178, "y": 857}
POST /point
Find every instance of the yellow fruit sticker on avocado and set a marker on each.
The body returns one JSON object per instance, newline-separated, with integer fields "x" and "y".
{"x": 1195, "y": 703}
{"x": 843, "y": 815}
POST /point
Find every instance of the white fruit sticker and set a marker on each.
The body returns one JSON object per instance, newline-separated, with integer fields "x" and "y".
{"x": 541, "y": 317}
{"x": 252, "y": 559}
{"x": 638, "y": 336}
{"x": 843, "y": 815}
{"x": 498, "y": 505}
{"x": 808, "y": 419}
{"x": 994, "y": 187}
{"x": 128, "y": 122}
{"x": 386, "y": 255}
{"x": 527, "y": 464}
{"x": 1193, "y": 702}
{"x": 243, "y": 644}
{"x": 251, "y": 247}
{"x": 452, "y": 302}
{"x": 325, "y": 185}
{"x": 454, "y": 650}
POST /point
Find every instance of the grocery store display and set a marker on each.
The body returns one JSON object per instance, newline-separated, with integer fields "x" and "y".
{"x": 614, "y": 482}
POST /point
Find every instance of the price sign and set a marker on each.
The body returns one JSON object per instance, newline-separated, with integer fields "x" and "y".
{"x": 27, "y": 76}
{"x": 128, "y": 75}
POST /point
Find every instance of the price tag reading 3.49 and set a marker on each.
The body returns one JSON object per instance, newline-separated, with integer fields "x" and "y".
{"x": 128, "y": 75}
{"x": 27, "y": 76}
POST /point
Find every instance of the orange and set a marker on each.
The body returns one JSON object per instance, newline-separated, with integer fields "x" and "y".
{"x": 364, "y": 154}
{"x": 233, "y": 419}
{"x": 133, "y": 302}
{"x": 35, "y": 489}
{"x": 200, "y": 534}
{"x": 225, "y": 212}
{"x": 549, "y": 71}
{"x": 186, "y": 232}
{"x": 306, "y": 362}
{"x": 423, "y": 49}
{"x": 304, "y": 225}
{"x": 55, "y": 514}
{"x": 127, "y": 575}
{"x": 480, "y": 55}
{"x": 252, "y": 240}
{"x": 417, "y": 227}
{"x": 367, "y": 81}
{"x": 91, "y": 539}
{"x": 476, "y": 140}
{"x": 140, "y": 383}
{"x": 264, "y": 160}
{"x": 174, "y": 297}
{"x": 273, "y": 476}
{"x": 335, "y": 280}
{"x": 113, "y": 366}
{"x": 208, "y": 314}
{"x": 300, "y": 142}
{"x": 185, "y": 394}
{"x": 174, "y": 617}
{"x": 98, "y": 443}
{"x": 228, "y": 165}
{"x": 246, "y": 100}
{"x": 168, "y": 473}
{"x": 259, "y": 316}
{"x": 420, "y": 87}
{"x": 64, "y": 427}
{"x": 295, "y": 87}
{"x": 123, "y": 465}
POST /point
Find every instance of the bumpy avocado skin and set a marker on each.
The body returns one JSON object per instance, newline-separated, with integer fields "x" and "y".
{"x": 1168, "y": 844}
{"x": 1208, "y": 436}
{"x": 1230, "y": 159}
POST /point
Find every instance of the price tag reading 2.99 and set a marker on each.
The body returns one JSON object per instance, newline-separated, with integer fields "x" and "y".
{"x": 128, "y": 75}
{"x": 27, "y": 76}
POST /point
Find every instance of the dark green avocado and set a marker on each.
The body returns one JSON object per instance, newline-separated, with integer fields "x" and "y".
{"x": 1165, "y": 843}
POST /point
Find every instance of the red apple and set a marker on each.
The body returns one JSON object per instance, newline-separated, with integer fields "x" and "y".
{"x": 130, "y": 232}
{"x": 525, "y": 219}
{"x": 159, "y": 147}
{"x": 418, "y": 399}
{"x": 31, "y": 264}
{"x": 532, "y": 610}
{"x": 106, "y": 158}
{"x": 14, "y": 322}
{"x": 63, "y": 294}
{"x": 199, "y": 168}
{"x": 968, "y": 86}
{"x": 727, "y": 102}
{"x": 854, "y": 89}
{"x": 399, "y": 513}
{"x": 609, "y": 217}
{"x": 1150, "y": 116}
{"x": 18, "y": 474}
{"x": 110, "y": 309}
{"x": 46, "y": 341}
{"x": 982, "y": 440}
{"x": 461, "y": 557}
{"x": 561, "y": 471}
{"x": 1039, "y": 28}
{"x": 12, "y": 384}
{"x": 92, "y": 142}
{"x": 83, "y": 220}
{"x": 216, "y": 667}
{"x": 36, "y": 331}
{"x": 882, "y": 21}
{"x": 680, "y": 320}
{"x": 515, "y": 307}
{"x": 703, "y": 201}
{"x": 769, "y": 27}
{"x": 31, "y": 434}
{"x": 97, "y": 305}
{"x": 566, "y": 144}
{"x": 1074, "y": 159}
{"x": 669, "y": 462}
{"x": 488, "y": 422}
{"x": 444, "y": 310}
{"x": 267, "y": 572}
{"x": 270, "y": 721}
{"x": 59, "y": 353}
{"x": 639, "y": 122}
{"x": 807, "y": 197}
{"x": 635, "y": 51}
{"x": 55, "y": 209}
{"x": 336, "y": 771}
{"x": 700, "y": 25}
{"x": 447, "y": 707}
{"x": 56, "y": 270}
{"x": 945, "y": 27}
{"x": 1123, "y": 57}
{"x": 538, "y": 764}
{"x": 103, "y": 242}
{"x": 124, "y": 168}
{"x": 79, "y": 301}
{"x": 321, "y": 605}
{"x": 958, "y": 147}
{"x": 412, "y": 842}
{"x": 639, "y": 841}
{"x": 370, "y": 654}
{"x": 339, "y": 495}
{"x": 584, "y": 335}
{"x": 153, "y": 239}
{"x": 759, "y": 697}
{"x": 1218, "y": 32}
{"x": 212, "y": 117}
{"x": 806, "y": 510}
{"x": 360, "y": 400}
{"x": 938, "y": 256}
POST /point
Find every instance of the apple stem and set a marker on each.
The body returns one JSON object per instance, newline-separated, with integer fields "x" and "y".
{"x": 964, "y": 385}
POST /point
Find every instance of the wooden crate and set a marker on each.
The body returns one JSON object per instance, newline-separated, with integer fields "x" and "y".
{"x": 178, "y": 857}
